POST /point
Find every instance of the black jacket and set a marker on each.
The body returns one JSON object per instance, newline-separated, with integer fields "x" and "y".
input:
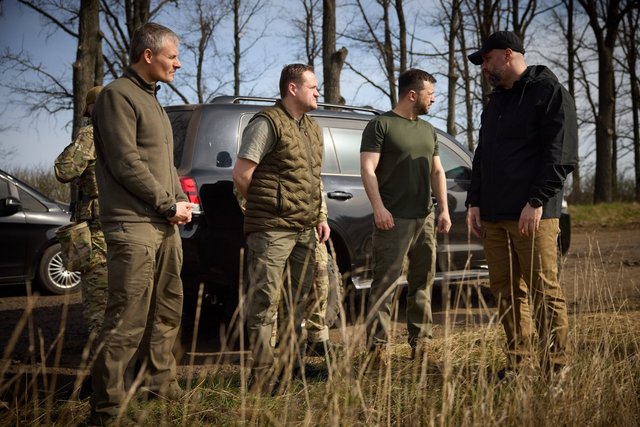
{"x": 528, "y": 145}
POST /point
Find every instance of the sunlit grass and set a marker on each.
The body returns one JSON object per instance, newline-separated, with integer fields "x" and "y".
{"x": 453, "y": 387}
{"x": 605, "y": 214}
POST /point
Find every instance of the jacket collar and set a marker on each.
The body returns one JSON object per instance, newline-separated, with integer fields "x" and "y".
{"x": 280, "y": 105}
{"x": 151, "y": 88}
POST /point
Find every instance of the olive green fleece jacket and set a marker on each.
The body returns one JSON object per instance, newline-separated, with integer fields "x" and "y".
{"x": 137, "y": 180}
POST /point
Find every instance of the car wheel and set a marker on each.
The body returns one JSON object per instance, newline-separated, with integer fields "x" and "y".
{"x": 52, "y": 274}
{"x": 336, "y": 293}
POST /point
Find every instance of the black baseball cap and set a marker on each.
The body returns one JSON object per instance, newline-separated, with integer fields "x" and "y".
{"x": 498, "y": 40}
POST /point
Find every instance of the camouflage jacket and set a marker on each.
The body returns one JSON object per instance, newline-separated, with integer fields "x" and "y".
{"x": 76, "y": 164}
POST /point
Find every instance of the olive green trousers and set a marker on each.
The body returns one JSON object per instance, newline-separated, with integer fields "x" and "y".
{"x": 145, "y": 299}
{"x": 268, "y": 253}
{"x": 415, "y": 240}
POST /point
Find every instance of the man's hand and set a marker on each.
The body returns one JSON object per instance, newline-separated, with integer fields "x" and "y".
{"x": 183, "y": 213}
{"x": 473, "y": 221}
{"x": 529, "y": 220}
{"x": 444, "y": 222}
{"x": 383, "y": 219}
{"x": 323, "y": 231}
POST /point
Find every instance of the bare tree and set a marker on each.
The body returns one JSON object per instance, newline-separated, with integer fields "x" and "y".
{"x": 452, "y": 72}
{"x": 564, "y": 19}
{"x": 605, "y": 17}
{"x": 88, "y": 67}
{"x": 630, "y": 43}
{"x": 243, "y": 12}
{"x": 122, "y": 19}
{"x": 55, "y": 92}
{"x": 376, "y": 33}
{"x": 49, "y": 91}
{"x": 307, "y": 26}
{"x": 485, "y": 18}
{"x": 332, "y": 60}
{"x": 202, "y": 21}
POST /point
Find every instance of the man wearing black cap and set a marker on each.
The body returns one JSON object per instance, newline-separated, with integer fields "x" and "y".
{"x": 528, "y": 145}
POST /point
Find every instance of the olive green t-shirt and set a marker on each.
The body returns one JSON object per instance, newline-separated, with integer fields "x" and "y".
{"x": 406, "y": 150}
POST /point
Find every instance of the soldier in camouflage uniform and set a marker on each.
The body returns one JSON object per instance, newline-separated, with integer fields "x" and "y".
{"x": 76, "y": 165}
{"x": 315, "y": 325}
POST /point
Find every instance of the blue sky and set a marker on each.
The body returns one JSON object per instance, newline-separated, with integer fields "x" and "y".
{"x": 35, "y": 138}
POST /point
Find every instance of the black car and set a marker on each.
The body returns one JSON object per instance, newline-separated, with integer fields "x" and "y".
{"x": 29, "y": 249}
{"x": 206, "y": 140}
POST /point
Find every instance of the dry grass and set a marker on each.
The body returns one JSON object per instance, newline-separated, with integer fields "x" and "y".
{"x": 452, "y": 388}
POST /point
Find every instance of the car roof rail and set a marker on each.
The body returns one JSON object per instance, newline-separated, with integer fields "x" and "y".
{"x": 227, "y": 99}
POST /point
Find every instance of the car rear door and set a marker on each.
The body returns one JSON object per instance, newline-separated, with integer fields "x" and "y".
{"x": 457, "y": 251}
{"x": 13, "y": 242}
{"x": 349, "y": 208}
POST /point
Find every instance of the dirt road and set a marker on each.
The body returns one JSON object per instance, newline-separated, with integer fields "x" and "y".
{"x": 602, "y": 269}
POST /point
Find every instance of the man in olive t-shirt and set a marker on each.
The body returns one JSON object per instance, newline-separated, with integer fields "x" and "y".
{"x": 400, "y": 167}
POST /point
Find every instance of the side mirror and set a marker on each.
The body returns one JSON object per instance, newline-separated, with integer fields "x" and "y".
{"x": 9, "y": 206}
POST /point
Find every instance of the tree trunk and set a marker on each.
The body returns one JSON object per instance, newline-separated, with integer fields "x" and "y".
{"x": 137, "y": 14}
{"x": 468, "y": 93}
{"x": 402, "y": 36}
{"x": 452, "y": 75}
{"x": 236, "y": 47}
{"x": 87, "y": 68}
{"x": 332, "y": 60}
{"x": 604, "y": 126}
{"x": 606, "y": 37}
{"x": 389, "y": 62}
{"x": 614, "y": 153}
{"x": 485, "y": 27}
{"x": 576, "y": 189}
{"x": 630, "y": 43}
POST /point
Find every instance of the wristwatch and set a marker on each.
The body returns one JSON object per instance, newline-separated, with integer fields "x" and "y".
{"x": 172, "y": 211}
{"x": 535, "y": 203}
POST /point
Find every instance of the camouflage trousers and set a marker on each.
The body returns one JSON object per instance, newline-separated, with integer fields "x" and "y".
{"x": 315, "y": 325}
{"x": 94, "y": 283}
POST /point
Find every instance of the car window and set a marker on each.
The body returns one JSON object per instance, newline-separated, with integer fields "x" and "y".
{"x": 454, "y": 166}
{"x": 4, "y": 189}
{"x": 30, "y": 203}
{"x": 329, "y": 161}
{"x": 347, "y": 146}
{"x": 179, "y": 124}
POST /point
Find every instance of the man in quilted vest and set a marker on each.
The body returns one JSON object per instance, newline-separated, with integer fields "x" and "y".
{"x": 278, "y": 173}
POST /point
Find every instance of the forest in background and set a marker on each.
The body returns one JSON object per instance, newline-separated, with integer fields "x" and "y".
{"x": 592, "y": 45}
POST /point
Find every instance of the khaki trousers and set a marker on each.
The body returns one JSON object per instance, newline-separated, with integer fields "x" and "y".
{"x": 145, "y": 295}
{"x": 415, "y": 239}
{"x": 523, "y": 272}
{"x": 268, "y": 253}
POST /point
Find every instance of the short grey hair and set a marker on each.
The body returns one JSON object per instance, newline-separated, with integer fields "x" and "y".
{"x": 149, "y": 36}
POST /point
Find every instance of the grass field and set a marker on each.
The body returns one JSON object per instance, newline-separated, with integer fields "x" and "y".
{"x": 453, "y": 387}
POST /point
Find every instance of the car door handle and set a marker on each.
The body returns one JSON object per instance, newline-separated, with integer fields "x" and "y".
{"x": 339, "y": 195}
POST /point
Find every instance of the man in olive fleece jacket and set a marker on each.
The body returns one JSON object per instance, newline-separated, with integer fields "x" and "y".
{"x": 141, "y": 203}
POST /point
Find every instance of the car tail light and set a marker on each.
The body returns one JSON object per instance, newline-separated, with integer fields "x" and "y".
{"x": 191, "y": 190}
